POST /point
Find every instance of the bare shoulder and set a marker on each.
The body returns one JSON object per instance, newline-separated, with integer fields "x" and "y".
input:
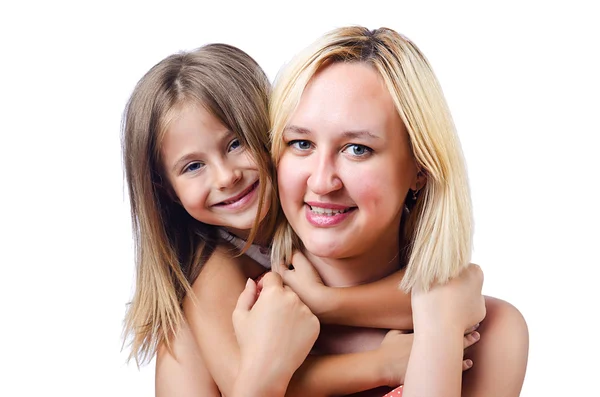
{"x": 226, "y": 259}
{"x": 220, "y": 282}
{"x": 508, "y": 322}
{"x": 500, "y": 357}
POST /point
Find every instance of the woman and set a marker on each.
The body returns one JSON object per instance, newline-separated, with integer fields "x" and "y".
{"x": 370, "y": 170}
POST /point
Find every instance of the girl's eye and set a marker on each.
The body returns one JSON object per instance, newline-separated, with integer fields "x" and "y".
{"x": 358, "y": 150}
{"x": 234, "y": 144}
{"x": 193, "y": 167}
{"x": 300, "y": 145}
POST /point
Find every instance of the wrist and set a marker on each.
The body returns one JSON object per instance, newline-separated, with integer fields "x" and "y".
{"x": 434, "y": 315}
{"x": 254, "y": 381}
{"x": 384, "y": 373}
{"x": 329, "y": 305}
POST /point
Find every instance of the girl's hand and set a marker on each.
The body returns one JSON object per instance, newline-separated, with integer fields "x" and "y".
{"x": 275, "y": 331}
{"x": 458, "y": 303}
{"x": 395, "y": 351}
{"x": 303, "y": 278}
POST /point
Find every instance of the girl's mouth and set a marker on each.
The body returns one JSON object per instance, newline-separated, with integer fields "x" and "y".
{"x": 239, "y": 199}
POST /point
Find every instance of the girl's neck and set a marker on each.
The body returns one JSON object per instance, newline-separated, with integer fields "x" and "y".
{"x": 260, "y": 238}
{"x": 378, "y": 262}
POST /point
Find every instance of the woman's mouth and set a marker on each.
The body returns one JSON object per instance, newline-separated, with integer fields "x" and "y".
{"x": 327, "y": 215}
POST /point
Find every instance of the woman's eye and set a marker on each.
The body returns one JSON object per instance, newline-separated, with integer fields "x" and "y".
{"x": 193, "y": 167}
{"x": 358, "y": 150}
{"x": 234, "y": 144}
{"x": 300, "y": 145}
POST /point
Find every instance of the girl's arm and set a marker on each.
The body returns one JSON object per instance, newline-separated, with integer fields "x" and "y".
{"x": 181, "y": 371}
{"x": 440, "y": 317}
{"x": 501, "y": 357}
{"x": 377, "y": 305}
{"x": 268, "y": 363}
{"x": 217, "y": 289}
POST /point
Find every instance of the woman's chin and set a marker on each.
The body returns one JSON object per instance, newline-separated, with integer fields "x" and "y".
{"x": 324, "y": 249}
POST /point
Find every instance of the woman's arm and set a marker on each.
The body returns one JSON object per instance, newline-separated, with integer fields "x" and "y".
{"x": 377, "y": 305}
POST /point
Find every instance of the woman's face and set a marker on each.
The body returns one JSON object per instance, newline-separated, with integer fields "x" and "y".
{"x": 347, "y": 165}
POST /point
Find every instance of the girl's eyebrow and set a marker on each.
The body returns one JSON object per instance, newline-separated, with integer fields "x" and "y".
{"x": 184, "y": 159}
{"x": 224, "y": 136}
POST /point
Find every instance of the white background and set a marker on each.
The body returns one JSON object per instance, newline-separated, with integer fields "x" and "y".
{"x": 522, "y": 81}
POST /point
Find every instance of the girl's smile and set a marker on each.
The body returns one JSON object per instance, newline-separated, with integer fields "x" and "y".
{"x": 241, "y": 200}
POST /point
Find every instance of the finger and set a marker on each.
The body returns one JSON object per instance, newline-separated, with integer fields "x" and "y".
{"x": 393, "y": 332}
{"x": 271, "y": 280}
{"x": 467, "y": 364}
{"x": 300, "y": 266}
{"x": 473, "y": 328}
{"x": 259, "y": 282}
{"x": 471, "y": 339}
{"x": 247, "y": 298}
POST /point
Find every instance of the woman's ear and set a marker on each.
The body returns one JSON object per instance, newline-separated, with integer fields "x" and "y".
{"x": 419, "y": 182}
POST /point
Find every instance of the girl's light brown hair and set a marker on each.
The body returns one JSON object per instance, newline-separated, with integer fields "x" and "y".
{"x": 170, "y": 245}
{"x": 437, "y": 232}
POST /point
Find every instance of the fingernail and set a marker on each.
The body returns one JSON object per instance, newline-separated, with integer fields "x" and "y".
{"x": 475, "y": 335}
{"x": 469, "y": 363}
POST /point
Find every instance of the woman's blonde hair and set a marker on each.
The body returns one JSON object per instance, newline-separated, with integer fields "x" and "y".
{"x": 170, "y": 245}
{"x": 437, "y": 229}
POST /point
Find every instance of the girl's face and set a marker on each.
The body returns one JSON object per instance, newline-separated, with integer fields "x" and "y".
{"x": 213, "y": 176}
{"x": 347, "y": 165}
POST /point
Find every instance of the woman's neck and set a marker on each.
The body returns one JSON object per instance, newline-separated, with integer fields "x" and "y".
{"x": 378, "y": 262}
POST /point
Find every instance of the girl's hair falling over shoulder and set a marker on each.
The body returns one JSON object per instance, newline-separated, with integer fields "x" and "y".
{"x": 437, "y": 230}
{"x": 170, "y": 245}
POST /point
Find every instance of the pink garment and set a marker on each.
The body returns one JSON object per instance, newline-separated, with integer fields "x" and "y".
{"x": 397, "y": 392}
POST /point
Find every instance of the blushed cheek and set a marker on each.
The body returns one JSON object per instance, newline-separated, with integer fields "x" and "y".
{"x": 373, "y": 191}
{"x": 290, "y": 183}
{"x": 193, "y": 199}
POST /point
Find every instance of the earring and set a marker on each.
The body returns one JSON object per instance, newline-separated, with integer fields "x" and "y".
{"x": 415, "y": 195}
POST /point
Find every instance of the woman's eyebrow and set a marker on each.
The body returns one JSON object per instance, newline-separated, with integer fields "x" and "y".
{"x": 352, "y": 134}
{"x": 297, "y": 130}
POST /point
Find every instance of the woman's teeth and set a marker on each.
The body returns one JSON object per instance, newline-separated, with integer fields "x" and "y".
{"x": 328, "y": 211}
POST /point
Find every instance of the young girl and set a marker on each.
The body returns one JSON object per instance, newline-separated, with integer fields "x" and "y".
{"x": 201, "y": 190}
{"x": 370, "y": 170}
